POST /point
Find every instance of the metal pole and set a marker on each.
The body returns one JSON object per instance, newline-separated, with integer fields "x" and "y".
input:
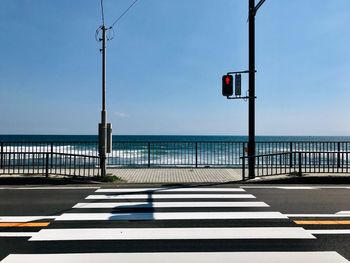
{"x": 300, "y": 160}
{"x": 196, "y": 154}
{"x": 149, "y": 154}
{"x": 103, "y": 112}
{"x": 51, "y": 161}
{"x": 251, "y": 110}
{"x": 243, "y": 162}
{"x": 291, "y": 155}
{"x": 47, "y": 165}
{"x": 338, "y": 156}
{"x": 2, "y": 155}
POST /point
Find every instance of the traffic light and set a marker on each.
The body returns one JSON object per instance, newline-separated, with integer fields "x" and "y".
{"x": 227, "y": 85}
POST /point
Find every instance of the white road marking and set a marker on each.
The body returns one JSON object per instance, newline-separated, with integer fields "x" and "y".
{"x": 296, "y": 187}
{"x": 184, "y": 257}
{"x": 170, "y": 216}
{"x": 184, "y": 189}
{"x": 24, "y": 218}
{"x": 317, "y": 215}
{"x": 169, "y": 196}
{"x": 333, "y": 187}
{"x": 17, "y": 234}
{"x": 290, "y": 187}
{"x": 169, "y": 204}
{"x": 172, "y": 233}
{"x": 328, "y": 231}
{"x": 49, "y": 188}
{"x": 343, "y": 212}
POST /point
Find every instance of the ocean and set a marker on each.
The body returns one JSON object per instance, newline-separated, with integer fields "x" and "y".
{"x": 167, "y": 138}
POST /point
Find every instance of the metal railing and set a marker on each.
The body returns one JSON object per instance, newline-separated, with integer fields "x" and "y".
{"x": 45, "y": 163}
{"x": 63, "y": 155}
{"x": 299, "y": 163}
{"x": 176, "y": 154}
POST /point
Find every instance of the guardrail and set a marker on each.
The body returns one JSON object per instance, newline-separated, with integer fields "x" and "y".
{"x": 145, "y": 154}
{"x": 170, "y": 153}
{"x": 176, "y": 154}
{"x": 298, "y": 163}
{"x": 46, "y": 163}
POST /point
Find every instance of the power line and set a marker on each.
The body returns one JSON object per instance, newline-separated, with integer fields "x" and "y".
{"x": 123, "y": 13}
{"x": 103, "y": 15}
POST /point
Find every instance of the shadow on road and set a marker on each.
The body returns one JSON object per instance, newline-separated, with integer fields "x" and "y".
{"x": 144, "y": 211}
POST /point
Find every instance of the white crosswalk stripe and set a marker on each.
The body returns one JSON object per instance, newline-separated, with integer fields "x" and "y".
{"x": 161, "y": 190}
{"x": 170, "y": 196}
{"x": 193, "y": 257}
{"x": 173, "y": 233}
{"x": 169, "y": 204}
{"x": 172, "y": 215}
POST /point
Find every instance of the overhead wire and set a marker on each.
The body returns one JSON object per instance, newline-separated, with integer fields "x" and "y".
{"x": 126, "y": 10}
{"x": 110, "y": 29}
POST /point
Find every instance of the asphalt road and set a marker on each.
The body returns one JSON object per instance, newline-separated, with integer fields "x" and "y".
{"x": 216, "y": 223}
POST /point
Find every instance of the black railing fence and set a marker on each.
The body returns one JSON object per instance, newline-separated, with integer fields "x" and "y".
{"x": 46, "y": 163}
{"x": 68, "y": 158}
{"x": 175, "y": 154}
{"x": 298, "y": 163}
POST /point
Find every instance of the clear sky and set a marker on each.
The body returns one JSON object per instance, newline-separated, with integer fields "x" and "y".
{"x": 164, "y": 67}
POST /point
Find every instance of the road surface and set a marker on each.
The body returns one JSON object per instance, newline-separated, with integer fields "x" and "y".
{"x": 213, "y": 223}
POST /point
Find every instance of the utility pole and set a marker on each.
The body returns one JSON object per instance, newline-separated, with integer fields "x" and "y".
{"x": 104, "y": 128}
{"x": 251, "y": 105}
{"x": 251, "y": 108}
{"x": 103, "y": 124}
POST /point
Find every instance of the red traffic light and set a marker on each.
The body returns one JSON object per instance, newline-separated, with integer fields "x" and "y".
{"x": 227, "y": 85}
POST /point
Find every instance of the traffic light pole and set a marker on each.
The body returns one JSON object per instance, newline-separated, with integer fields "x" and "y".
{"x": 103, "y": 125}
{"x": 227, "y": 89}
{"x": 251, "y": 103}
{"x": 251, "y": 108}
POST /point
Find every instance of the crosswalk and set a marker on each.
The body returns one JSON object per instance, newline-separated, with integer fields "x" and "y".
{"x": 173, "y": 224}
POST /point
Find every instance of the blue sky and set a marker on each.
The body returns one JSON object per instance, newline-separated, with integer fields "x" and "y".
{"x": 164, "y": 67}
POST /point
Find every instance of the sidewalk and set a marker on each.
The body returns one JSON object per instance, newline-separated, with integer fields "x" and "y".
{"x": 159, "y": 176}
{"x": 179, "y": 175}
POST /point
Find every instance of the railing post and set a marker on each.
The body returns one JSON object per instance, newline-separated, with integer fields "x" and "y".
{"x": 243, "y": 162}
{"x": 149, "y": 154}
{"x": 338, "y": 159}
{"x": 243, "y": 168}
{"x": 74, "y": 165}
{"x": 47, "y": 165}
{"x": 196, "y": 154}
{"x": 2, "y": 156}
{"x": 51, "y": 161}
{"x": 300, "y": 172}
{"x": 291, "y": 155}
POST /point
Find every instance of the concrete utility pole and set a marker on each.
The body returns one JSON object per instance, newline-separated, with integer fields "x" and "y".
{"x": 103, "y": 124}
{"x": 104, "y": 128}
{"x": 251, "y": 108}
